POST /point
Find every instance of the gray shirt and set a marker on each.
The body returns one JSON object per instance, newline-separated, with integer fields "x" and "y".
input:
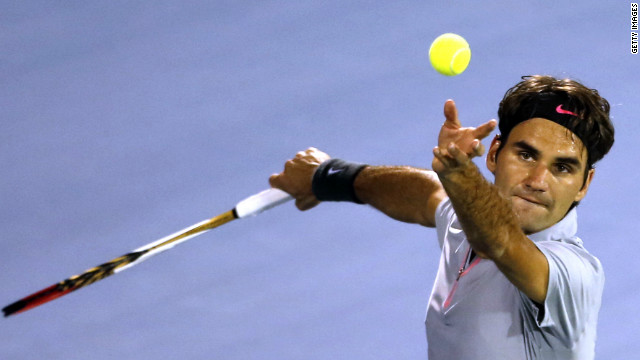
{"x": 481, "y": 315}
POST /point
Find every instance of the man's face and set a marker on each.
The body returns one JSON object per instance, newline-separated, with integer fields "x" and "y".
{"x": 541, "y": 171}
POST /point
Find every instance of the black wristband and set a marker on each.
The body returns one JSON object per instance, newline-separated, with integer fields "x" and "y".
{"x": 333, "y": 181}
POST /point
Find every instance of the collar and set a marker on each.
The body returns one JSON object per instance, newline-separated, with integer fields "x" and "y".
{"x": 563, "y": 230}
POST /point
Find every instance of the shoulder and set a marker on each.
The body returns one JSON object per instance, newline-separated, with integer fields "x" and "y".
{"x": 576, "y": 277}
{"x": 574, "y": 291}
{"x": 570, "y": 255}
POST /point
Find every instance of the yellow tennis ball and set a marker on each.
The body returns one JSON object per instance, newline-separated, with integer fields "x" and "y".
{"x": 449, "y": 54}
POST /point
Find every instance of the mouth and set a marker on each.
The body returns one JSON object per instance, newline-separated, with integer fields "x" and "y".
{"x": 531, "y": 200}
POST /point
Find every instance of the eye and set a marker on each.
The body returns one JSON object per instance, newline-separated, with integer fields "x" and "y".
{"x": 563, "y": 168}
{"x": 525, "y": 155}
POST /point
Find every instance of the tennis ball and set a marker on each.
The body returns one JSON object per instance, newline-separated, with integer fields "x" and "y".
{"x": 449, "y": 54}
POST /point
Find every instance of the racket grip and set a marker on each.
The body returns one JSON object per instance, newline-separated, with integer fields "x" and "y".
{"x": 260, "y": 202}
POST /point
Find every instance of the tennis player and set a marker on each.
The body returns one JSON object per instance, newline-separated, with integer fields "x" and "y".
{"x": 514, "y": 280}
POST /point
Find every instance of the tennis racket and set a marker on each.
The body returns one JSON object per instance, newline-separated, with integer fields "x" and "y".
{"x": 250, "y": 206}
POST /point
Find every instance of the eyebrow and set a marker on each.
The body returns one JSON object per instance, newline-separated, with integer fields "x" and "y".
{"x": 569, "y": 160}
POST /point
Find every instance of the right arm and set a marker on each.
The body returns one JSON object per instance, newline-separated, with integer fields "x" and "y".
{"x": 403, "y": 193}
{"x": 411, "y": 194}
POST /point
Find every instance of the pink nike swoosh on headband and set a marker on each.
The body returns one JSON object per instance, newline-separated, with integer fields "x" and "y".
{"x": 560, "y": 110}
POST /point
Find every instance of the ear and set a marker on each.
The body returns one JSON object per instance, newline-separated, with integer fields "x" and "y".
{"x": 492, "y": 155}
{"x": 583, "y": 192}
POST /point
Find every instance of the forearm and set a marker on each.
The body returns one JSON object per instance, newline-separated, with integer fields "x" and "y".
{"x": 401, "y": 192}
{"x": 486, "y": 216}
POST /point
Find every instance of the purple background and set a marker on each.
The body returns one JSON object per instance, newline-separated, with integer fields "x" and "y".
{"x": 122, "y": 122}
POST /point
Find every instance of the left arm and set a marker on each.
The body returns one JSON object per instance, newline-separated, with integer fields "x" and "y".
{"x": 491, "y": 226}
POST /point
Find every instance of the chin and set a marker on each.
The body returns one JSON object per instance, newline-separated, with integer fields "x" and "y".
{"x": 531, "y": 229}
{"x": 531, "y": 220}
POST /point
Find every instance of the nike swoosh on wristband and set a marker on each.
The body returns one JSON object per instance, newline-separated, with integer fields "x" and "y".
{"x": 560, "y": 110}
{"x": 333, "y": 171}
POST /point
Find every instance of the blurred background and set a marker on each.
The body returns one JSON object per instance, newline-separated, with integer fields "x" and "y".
{"x": 122, "y": 122}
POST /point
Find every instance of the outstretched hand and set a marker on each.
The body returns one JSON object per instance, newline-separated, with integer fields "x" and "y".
{"x": 297, "y": 175}
{"x": 457, "y": 145}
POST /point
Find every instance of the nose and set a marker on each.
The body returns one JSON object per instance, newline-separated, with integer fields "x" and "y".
{"x": 536, "y": 179}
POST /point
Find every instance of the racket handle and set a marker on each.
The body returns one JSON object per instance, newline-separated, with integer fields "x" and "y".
{"x": 260, "y": 202}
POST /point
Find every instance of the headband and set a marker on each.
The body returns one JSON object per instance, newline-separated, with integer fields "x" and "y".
{"x": 547, "y": 105}
{"x": 556, "y": 107}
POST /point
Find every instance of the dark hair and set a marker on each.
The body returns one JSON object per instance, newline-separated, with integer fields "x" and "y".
{"x": 584, "y": 112}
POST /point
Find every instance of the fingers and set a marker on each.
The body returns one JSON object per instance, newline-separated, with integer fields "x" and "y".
{"x": 306, "y": 203}
{"x": 452, "y": 121}
{"x": 278, "y": 181}
{"x": 451, "y": 114}
{"x": 275, "y": 182}
{"x": 440, "y": 156}
{"x": 485, "y": 129}
{"x": 296, "y": 177}
{"x": 458, "y": 155}
{"x": 466, "y": 141}
{"x": 478, "y": 148}
{"x": 307, "y": 152}
{"x": 453, "y": 157}
{"x": 312, "y": 155}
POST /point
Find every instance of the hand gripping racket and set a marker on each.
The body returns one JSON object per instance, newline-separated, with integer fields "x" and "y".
{"x": 250, "y": 206}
